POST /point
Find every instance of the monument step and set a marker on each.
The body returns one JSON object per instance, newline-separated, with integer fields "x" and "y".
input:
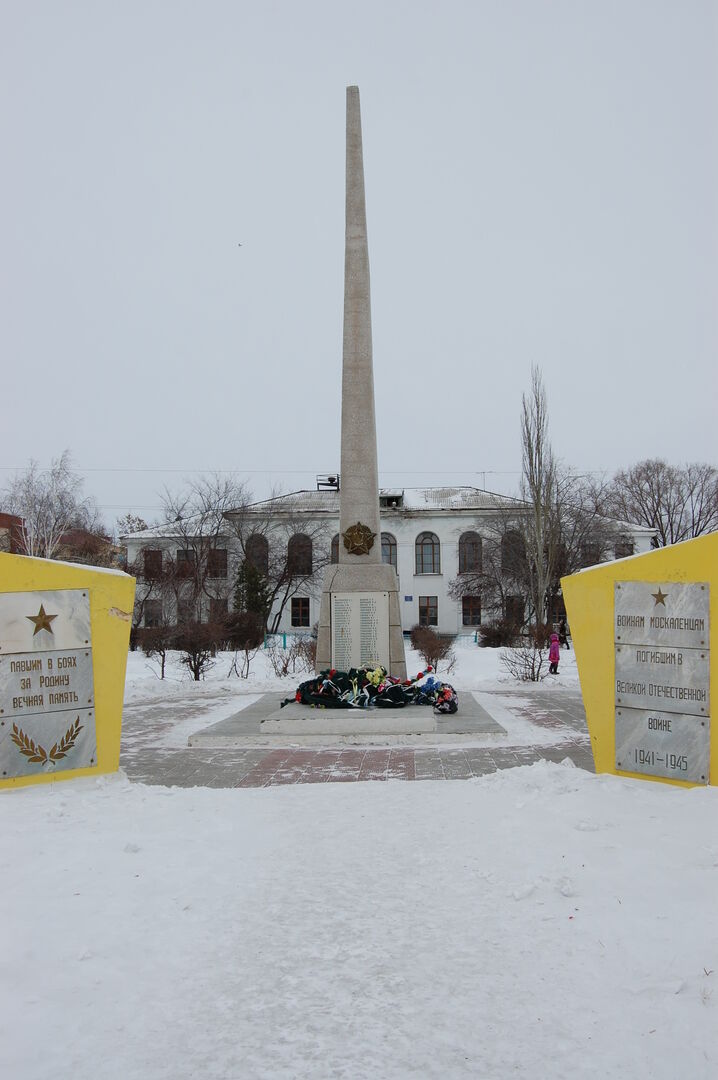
{"x": 265, "y": 723}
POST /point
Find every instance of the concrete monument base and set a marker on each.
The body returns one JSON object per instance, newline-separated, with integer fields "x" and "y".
{"x": 265, "y": 723}
{"x": 362, "y": 578}
{"x": 300, "y": 720}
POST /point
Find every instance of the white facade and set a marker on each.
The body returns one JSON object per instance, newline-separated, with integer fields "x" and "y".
{"x": 441, "y": 515}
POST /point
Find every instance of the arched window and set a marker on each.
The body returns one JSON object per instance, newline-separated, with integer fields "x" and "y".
{"x": 334, "y": 557}
{"x": 299, "y": 555}
{"x": 513, "y": 552}
{"x": 427, "y": 554}
{"x": 470, "y": 553}
{"x": 388, "y": 549}
{"x": 257, "y": 553}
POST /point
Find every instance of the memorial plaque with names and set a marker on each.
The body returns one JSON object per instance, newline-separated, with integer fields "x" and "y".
{"x": 360, "y": 630}
{"x": 662, "y": 679}
{"x": 47, "y": 715}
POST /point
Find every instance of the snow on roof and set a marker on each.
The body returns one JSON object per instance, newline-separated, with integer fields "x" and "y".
{"x": 630, "y": 526}
{"x": 439, "y": 498}
{"x": 453, "y": 498}
{"x": 325, "y": 501}
{"x": 191, "y": 526}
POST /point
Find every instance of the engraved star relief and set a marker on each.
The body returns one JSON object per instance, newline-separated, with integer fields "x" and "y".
{"x": 42, "y": 621}
{"x": 358, "y": 539}
{"x": 659, "y": 597}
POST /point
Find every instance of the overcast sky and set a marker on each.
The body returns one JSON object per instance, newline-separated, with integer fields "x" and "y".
{"x": 541, "y": 187}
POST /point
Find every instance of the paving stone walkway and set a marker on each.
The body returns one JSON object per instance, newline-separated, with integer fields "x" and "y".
{"x": 558, "y": 714}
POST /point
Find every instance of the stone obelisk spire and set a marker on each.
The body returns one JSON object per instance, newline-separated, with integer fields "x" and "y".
{"x": 359, "y": 621}
{"x": 359, "y": 472}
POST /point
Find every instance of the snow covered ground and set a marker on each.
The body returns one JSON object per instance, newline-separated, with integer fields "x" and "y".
{"x": 176, "y": 707}
{"x": 475, "y": 669}
{"x": 540, "y": 922}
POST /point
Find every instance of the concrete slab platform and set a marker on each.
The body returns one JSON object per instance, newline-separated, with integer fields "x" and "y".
{"x": 298, "y": 719}
{"x": 265, "y": 724}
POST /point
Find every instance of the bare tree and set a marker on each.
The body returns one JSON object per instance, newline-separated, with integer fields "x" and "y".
{"x": 679, "y": 503}
{"x": 153, "y": 584}
{"x": 184, "y": 564}
{"x": 50, "y": 502}
{"x": 216, "y": 544}
{"x": 539, "y": 490}
{"x": 287, "y": 548}
{"x": 559, "y": 524}
{"x": 198, "y": 566}
{"x": 500, "y": 576}
{"x": 588, "y": 532}
{"x": 130, "y": 523}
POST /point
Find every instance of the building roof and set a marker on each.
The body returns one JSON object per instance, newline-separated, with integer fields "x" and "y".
{"x": 411, "y": 500}
{"x": 201, "y": 524}
{"x": 9, "y": 521}
{"x": 430, "y": 499}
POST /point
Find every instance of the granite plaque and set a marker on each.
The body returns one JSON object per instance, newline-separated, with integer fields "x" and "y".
{"x": 659, "y": 677}
{"x": 47, "y": 717}
{"x": 37, "y": 621}
{"x": 662, "y": 679}
{"x": 662, "y": 613}
{"x": 46, "y": 682}
{"x": 673, "y": 745}
{"x": 360, "y": 630}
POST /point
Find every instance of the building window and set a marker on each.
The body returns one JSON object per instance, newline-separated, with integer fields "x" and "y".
{"x": 300, "y": 611}
{"x": 334, "y": 557}
{"x": 185, "y": 611}
{"x": 470, "y": 554}
{"x": 299, "y": 552}
{"x": 388, "y": 549}
{"x": 428, "y": 611}
{"x": 590, "y": 553}
{"x": 514, "y": 610}
{"x": 427, "y": 554}
{"x": 471, "y": 610}
{"x": 217, "y": 562}
{"x": 624, "y": 547}
{"x": 512, "y": 552}
{"x": 184, "y": 562}
{"x": 556, "y": 609}
{"x": 152, "y": 563}
{"x": 152, "y": 613}
{"x": 218, "y": 608}
{"x": 257, "y": 553}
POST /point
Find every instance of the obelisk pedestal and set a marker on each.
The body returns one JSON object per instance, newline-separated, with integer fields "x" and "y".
{"x": 360, "y": 619}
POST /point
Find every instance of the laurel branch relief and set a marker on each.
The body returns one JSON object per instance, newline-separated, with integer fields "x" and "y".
{"x": 38, "y": 754}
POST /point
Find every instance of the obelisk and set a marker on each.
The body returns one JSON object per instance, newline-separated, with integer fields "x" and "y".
{"x": 360, "y": 619}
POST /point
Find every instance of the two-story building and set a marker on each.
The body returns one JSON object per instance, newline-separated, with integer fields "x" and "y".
{"x": 432, "y": 536}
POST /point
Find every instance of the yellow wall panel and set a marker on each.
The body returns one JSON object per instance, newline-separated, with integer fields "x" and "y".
{"x": 589, "y": 597}
{"x": 54, "y": 616}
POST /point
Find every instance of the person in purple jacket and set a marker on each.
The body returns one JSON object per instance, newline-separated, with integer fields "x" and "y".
{"x": 554, "y": 654}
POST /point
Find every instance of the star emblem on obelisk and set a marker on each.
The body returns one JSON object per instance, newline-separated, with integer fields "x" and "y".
{"x": 42, "y": 621}
{"x": 358, "y": 539}
{"x": 659, "y": 597}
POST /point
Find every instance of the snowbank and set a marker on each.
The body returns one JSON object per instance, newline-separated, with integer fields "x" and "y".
{"x": 540, "y": 922}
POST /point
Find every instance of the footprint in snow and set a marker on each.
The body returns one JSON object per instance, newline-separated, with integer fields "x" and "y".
{"x": 523, "y": 891}
{"x": 565, "y": 886}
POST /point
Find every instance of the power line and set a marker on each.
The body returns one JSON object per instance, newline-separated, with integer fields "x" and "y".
{"x": 279, "y": 471}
